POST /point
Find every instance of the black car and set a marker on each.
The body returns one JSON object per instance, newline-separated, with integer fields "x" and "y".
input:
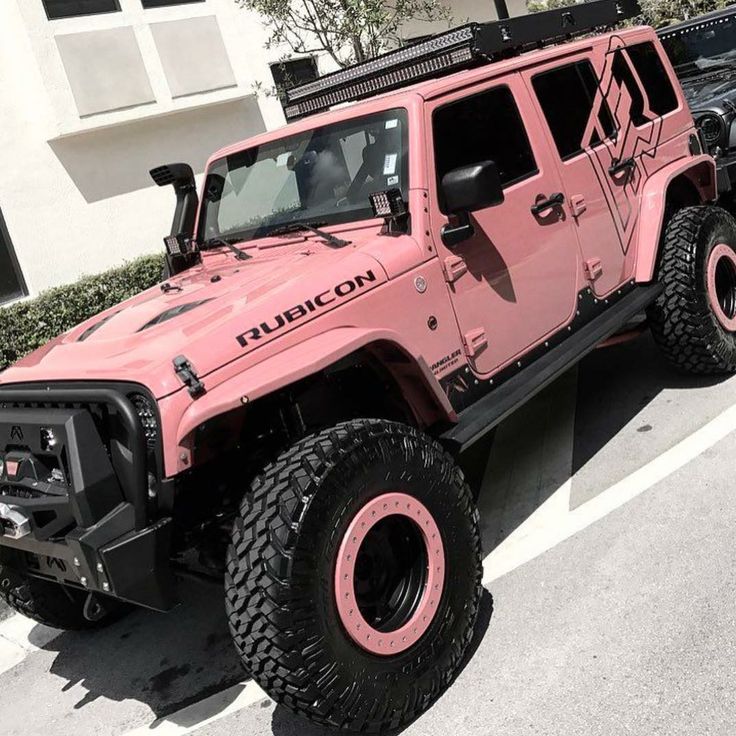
{"x": 703, "y": 52}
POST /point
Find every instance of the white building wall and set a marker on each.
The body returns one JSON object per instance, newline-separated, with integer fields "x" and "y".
{"x": 90, "y": 104}
{"x": 74, "y": 188}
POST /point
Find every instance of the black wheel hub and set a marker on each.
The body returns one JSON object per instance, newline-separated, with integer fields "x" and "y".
{"x": 390, "y": 573}
{"x": 726, "y": 287}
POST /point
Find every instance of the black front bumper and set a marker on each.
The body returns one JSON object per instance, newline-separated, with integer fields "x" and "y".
{"x": 74, "y": 500}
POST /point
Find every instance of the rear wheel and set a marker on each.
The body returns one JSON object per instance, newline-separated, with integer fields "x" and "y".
{"x": 353, "y": 579}
{"x": 694, "y": 320}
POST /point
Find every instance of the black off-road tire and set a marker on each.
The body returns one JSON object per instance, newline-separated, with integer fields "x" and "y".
{"x": 683, "y": 322}
{"x": 49, "y": 603}
{"x": 280, "y": 586}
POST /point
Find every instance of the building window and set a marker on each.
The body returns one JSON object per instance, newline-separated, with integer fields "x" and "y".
{"x": 567, "y": 96}
{"x": 56, "y": 9}
{"x": 492, "y": 130}
{"x": 289, "y": 73}
{"x": 165, "y": 3}
{"x": 12, "y": 284}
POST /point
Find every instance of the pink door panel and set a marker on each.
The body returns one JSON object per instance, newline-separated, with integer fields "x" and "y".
{"x": 597, "y": 200}
{"x": 516, "y": 280}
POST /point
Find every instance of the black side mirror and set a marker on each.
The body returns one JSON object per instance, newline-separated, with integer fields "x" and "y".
{"x": 465, "y": 190}
{"x": 180, "y": 253}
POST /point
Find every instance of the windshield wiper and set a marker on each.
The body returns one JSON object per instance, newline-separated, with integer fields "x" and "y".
{"x": 239, "y": 254}
{"x": 294, "y": 227}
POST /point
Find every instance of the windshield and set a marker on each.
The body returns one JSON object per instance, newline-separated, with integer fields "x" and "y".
{"x": 699, "y": 49}
{"x": 321, "y": 177}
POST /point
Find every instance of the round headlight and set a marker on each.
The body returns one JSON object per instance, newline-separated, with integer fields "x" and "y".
{"x": 147, "y": 415}
{"x": 711, "y": 126}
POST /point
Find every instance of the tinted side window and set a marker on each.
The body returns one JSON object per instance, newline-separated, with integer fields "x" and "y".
{"x": 653, "y": 76}
{"x": 484, "y": 127}
{"x": 566, "y": 96}
{"x": 56, "y": 9}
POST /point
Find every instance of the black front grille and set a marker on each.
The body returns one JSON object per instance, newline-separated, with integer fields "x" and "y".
{"x": 118, "y": 428}
{"x": 19, "y": 492}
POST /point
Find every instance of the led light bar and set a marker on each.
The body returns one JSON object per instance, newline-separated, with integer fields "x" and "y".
{"x": 461, "y": 48}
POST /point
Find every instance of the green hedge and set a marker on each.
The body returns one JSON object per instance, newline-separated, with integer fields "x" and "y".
{"x": 29, "y": 324}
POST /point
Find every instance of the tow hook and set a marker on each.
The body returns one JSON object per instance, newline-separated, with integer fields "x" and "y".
{"x": 94, "y": 608}
{"x": 13, "y": 522}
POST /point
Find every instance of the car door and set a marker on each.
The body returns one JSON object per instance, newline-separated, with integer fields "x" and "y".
{"x": 604, "y": 124}
{"x": 515, "y": 280}
{"x": 598, "y": 194}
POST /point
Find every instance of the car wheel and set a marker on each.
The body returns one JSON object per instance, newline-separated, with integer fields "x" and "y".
{"x": 694, "y": 319}
{"x": 353, "y": 578}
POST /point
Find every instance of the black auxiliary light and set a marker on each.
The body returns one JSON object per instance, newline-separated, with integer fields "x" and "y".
{"x": 390, "y": 206}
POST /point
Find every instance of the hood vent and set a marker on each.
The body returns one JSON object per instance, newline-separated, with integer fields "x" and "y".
{"x": 173, "y": 312}
{"x": 96, "y": 326}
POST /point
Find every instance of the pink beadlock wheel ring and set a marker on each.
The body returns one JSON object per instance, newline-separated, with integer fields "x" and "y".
{"x": 389, "y": 574}
{"x": 721, "y": 284}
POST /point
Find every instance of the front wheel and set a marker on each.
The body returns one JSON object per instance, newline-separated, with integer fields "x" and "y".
{"x": 694, "y": 319}
{"x": 353, "y": 578}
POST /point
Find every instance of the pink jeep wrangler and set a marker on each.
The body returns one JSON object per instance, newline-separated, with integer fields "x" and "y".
{"x": 356, "y": 299}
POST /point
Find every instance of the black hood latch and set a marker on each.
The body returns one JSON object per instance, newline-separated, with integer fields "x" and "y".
{"x": 188, "y": 375}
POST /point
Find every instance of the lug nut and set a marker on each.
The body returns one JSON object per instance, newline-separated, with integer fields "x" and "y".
{"x": 83, "y": 581}
{"x": 76, "y": 562}
{"x": 100, "y": 568}
{"x": 106, "y": 587}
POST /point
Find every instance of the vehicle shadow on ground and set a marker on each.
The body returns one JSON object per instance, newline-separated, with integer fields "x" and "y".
{"x": 583, "y": 429}
{"x": 286, "y": 723}
{"x": 166, "y": 661}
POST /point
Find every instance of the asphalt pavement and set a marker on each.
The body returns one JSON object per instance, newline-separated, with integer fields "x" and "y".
{"x": 608, "y": 513}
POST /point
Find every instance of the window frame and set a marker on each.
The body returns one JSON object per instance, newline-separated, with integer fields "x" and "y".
{"x": 575, "y": 62}
{"x": 644, "y": 90}
{"x": 167, "y": 3}
{"x": 478, "y": 93}
{"x": 51, "y": 19}
{"x": 349, "y": 216}
{"x": 6, "y": 242}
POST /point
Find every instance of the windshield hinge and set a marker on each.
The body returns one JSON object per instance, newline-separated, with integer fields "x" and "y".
{"x": 454, "y": 267}
{"x": 188, "y": 376}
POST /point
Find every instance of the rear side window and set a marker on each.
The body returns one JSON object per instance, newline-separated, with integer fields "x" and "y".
{"x": 567, "y": 96}
{"x": 484, "y": 127}
{"x": 653, "y": 76}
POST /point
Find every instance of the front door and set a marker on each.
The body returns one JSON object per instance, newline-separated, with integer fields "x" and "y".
{"x": 515, "y": 281}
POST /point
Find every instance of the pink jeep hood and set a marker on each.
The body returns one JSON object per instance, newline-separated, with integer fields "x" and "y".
{"x": 206, "y": 317}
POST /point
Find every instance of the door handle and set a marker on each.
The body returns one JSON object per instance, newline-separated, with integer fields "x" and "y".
{"x": 554, "y": 200}
{"x": 623, "y": 164}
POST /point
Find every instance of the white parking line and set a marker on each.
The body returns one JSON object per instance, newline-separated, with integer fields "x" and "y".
{"x": 205, "y": 711}
{"x": 553, "y": 522}
{"x": 15, "y": 643}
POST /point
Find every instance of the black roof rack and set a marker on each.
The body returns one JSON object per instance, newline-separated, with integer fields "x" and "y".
{"x": 460, "y": 48}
